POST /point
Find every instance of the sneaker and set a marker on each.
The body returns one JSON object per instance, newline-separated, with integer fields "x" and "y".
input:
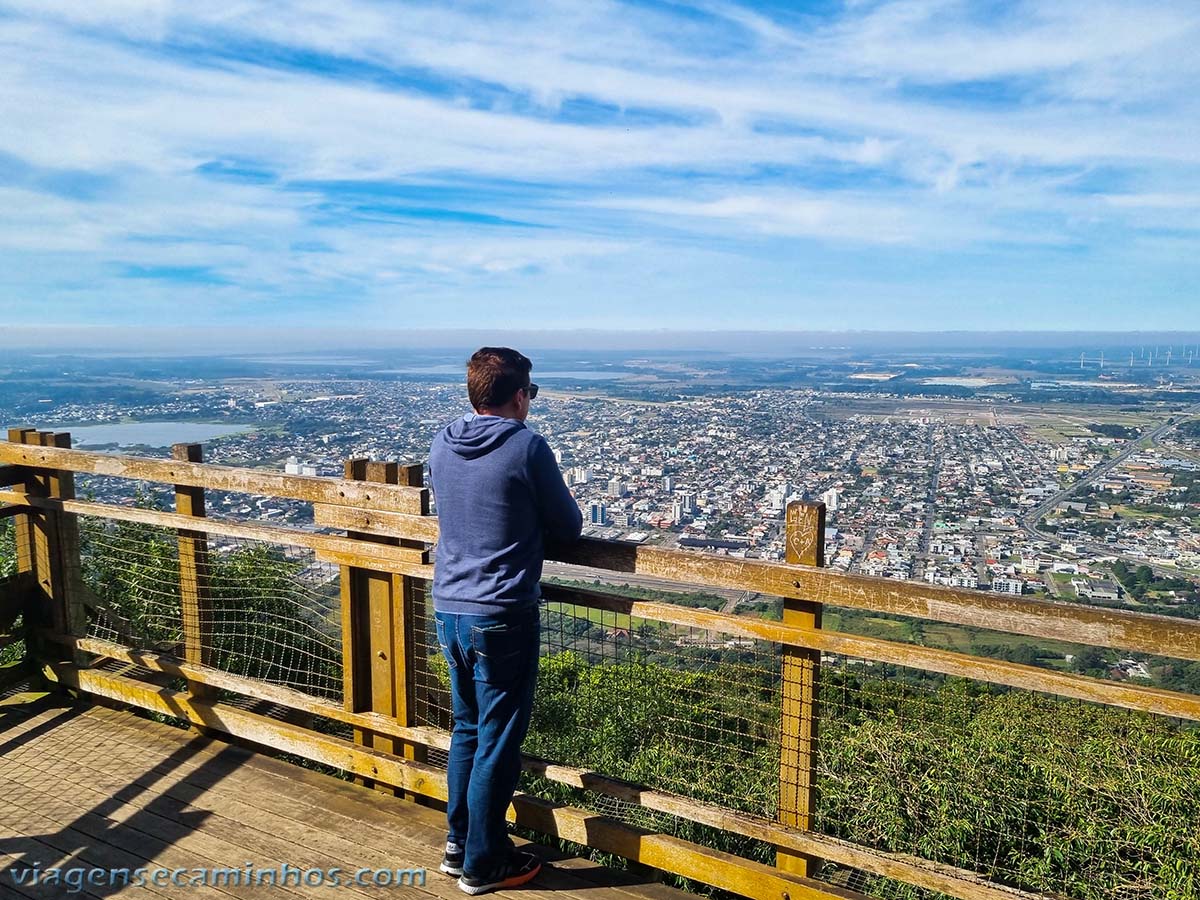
{"x": 520, "y": 868}
{"x": 452, "y": 859}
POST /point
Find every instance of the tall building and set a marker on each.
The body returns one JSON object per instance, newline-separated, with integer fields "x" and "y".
{"x": 616, "y": 487}
{"x": 777, "y": 499}
{"x": 687, "y": 500}
{"x": 597, "y": 513}
{"x": 830, "y": 499}
{"x": 293, "y": 466}
{"x": 668, "y": 483}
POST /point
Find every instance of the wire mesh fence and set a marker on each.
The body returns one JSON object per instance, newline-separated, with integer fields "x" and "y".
{"x": 1031, "y": 791}
{"x": 8, "y": 548}
{"x": 273, "y": 612}
{"x": 12, "y": 645}
{"x": 1028, "y": 790}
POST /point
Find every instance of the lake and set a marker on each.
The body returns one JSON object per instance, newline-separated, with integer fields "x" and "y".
{"x": 149, "y": 434}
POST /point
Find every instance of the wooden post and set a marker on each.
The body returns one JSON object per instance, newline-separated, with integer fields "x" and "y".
{"x": 412, "y": 665}
{"x": 195, "y": 593}
{"x": 23, "y": 523}
{"x": 20, "y": 601}
{"x": 804, "y": 545}
{"x": 377, "y": 627}
{"x": 48, "y": 546}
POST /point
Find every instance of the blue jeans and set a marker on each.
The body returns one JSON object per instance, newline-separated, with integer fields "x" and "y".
{"x": 493, "y": 671}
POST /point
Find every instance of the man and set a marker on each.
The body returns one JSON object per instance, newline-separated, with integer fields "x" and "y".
{"x": 499, "y": 496}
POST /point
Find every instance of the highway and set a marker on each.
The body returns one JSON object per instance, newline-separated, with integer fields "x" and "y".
{"x": 1030, "y": 520}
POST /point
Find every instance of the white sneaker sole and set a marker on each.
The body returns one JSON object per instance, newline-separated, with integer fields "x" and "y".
{"x": 474, "y": 889}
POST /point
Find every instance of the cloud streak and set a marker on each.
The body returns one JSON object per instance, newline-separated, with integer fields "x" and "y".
{"x": 626, "y": 164}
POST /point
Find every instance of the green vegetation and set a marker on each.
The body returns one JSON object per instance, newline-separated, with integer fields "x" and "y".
{"x": 946, "y": 636}
{"x": 1049, "y": 795}
{"x": 1113, "y": 430}
{"x": 1190, "y": 429}
{"x": 267, "y": 623}
{"x": 1140, "y": 582}
{"x": 694, "y": 599}
{"x": 1043, "y": 794}
{"x": 1185, "y": 486}
{"x": 8, "y": 568}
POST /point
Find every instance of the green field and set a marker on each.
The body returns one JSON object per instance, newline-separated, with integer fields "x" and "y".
{"x": 600, "y": 617}
{"x": 945, "y": 636}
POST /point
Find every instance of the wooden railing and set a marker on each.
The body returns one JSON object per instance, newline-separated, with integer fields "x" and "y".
{"x": 384, "y": 557}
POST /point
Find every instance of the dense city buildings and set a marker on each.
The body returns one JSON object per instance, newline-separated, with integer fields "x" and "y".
{"x": 954, "y": 494}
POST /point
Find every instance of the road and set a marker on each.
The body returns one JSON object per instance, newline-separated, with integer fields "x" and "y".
{"x": 931, "y": 513}
{"x": 1030, "y": 520}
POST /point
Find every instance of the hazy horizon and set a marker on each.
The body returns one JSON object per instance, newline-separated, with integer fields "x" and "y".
{"x": 180, "y": 341}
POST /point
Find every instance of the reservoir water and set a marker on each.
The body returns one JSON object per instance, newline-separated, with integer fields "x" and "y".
{"x": 149, "y": 434}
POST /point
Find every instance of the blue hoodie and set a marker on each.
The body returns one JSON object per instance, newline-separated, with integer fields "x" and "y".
{"x": 499, "y": 494}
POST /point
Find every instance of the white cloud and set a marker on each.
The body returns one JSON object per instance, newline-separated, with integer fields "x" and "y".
{"x": 858, "y": 130}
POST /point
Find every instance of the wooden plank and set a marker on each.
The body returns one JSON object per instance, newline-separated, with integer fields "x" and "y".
{"x": 391, "y": 498}
{"x": 31, "y": 850}
{"x": 1094, "y": 690}
{"x": 195, "y": 594}
{"x": 49, "y": 604}
{"x": 7, "y": 511}
{"x": 946, "y": 879}
{"x": 691, "y": 861}
{"x": 356, "y": 634}
{"x": 412, "y": 666}
{"x": 114, "y": 834}
{"x": 72, "y": 847}
{"x": 804, "y": 542}
{"x": 420, "y": 528}
{"x": 53, "y": 813}
{"x": 62, "y": 487}
{"x": 1162, "y": 635}
{"x": 23, "y": 523}
{"x": 137, "y": 819}
{"x": 14, "y": 673}
{"x": 382, "y": 611}
{"x": 949, "y": 880}
{"x": 923, "y": 873}
{"x": 379, "y": 556}
{"x": 1092, "y": 626}
{"x": 310, "y": 811}
{"x": 249, "y": 687}
{"x": 945, "y": 662}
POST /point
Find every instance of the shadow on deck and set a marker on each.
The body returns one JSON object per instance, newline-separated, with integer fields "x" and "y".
{"x": 87, "y": 787}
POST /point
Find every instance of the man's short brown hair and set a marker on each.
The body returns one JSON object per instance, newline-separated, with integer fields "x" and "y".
{"x": 494, "y": 374}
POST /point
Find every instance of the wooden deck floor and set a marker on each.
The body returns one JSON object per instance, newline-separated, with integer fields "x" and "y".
{"x": 88, "y": 787}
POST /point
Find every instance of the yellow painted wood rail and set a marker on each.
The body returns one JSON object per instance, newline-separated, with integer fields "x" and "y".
{"x": 383, "y": 512}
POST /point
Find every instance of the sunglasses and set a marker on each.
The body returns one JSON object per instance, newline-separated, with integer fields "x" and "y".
{"x": 531, "y": 389}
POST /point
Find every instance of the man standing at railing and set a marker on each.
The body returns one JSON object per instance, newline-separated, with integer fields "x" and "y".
{"x": 499, "y": 496}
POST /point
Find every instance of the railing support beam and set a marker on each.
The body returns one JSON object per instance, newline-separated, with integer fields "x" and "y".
{"x": 804, "y": 540}
{"x": 378, "y": 639}
{"x": 195, "y": 593}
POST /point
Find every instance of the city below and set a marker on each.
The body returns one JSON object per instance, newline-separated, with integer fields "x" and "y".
{"x": 1055, "y": 472}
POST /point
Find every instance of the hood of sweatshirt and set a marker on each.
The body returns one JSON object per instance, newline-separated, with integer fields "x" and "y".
{"x": 474, "y": 435}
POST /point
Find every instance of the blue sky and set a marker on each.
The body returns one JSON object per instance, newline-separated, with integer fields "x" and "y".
{"x": 919, "y": 164}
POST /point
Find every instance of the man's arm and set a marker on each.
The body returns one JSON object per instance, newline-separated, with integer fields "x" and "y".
{"x": 561, "y": 517}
